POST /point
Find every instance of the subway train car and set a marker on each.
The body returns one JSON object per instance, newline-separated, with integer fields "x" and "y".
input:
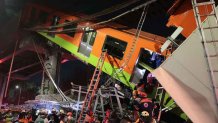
{"x": 87, "y": 43}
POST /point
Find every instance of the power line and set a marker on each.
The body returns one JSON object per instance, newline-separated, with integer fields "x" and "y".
{"x": 98, "y": 14}
{"x": 11, "y": 66}
{"x": 99, "y": 23}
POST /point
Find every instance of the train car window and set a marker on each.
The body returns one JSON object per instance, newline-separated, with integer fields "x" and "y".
{"x": 85, "y": 37}
{"x": 43, "y": 17}
{"x": 115, "y": 47}
{"x": 92, "y": 38}
{"x": 89, "y": 35}
{"x": 71, "y": 34}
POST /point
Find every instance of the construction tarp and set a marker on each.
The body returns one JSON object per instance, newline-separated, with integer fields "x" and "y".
{"x": 186, "y": 77}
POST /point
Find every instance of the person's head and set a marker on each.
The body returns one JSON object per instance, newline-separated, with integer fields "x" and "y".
{"x": 69, "y": 114}
{"x": 22, "y": 115}
{"x": 61, "y": 111}
{"x": 53, "y": 111}
{"x": 43, "y": 112}
{"x": 135, "y": 94}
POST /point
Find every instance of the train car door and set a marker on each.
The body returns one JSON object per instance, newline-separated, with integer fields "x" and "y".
{"x": 87, "y": 42}
{"x": 142, "y": 67}
{"x": 146, "y": 63}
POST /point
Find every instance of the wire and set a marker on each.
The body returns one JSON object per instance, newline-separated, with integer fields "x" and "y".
{"x": 42, "y": 82}
{"x": 98, "y": 14}
{"x": 12, "y": 60}
{"x": 11, "y": 66}
{"x": 102, "y": 22}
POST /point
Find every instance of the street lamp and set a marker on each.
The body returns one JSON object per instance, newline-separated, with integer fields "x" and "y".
{"x": 18, "y": 87}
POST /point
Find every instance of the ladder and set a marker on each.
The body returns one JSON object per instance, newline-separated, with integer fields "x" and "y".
{"x": 103, "y": 95}
{"x": 114, "y": 74}
{"x": 208, "y": 30}
{"x": 92, "y": 86}
{"x": 159, "y": 96}
{"x": 99, "y": 97}
{"x": 132, "y": 49}
{"x": 160, "y": 92}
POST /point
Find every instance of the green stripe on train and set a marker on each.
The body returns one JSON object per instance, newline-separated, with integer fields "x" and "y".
{"x": 123, "y": 76}
{"x": 146, "y": 66}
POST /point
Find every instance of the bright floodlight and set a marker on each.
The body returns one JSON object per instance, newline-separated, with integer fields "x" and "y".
{"x": 16, "y": 86}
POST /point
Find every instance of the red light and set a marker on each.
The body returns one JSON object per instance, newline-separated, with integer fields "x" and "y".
{"x": 64, "y": 60}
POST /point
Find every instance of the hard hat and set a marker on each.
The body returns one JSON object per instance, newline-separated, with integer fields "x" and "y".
{"x": 62, "y": 111}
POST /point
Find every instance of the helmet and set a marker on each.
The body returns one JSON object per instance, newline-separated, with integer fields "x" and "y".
{"x": 53, "y": 110}
{"x": 62, "y": 111}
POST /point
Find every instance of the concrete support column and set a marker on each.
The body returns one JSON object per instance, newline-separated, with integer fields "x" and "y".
{"x": 50, "y": 65}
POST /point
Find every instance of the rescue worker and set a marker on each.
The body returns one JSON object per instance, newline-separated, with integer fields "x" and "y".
{"x": 138, "y": 94}
{"x": 144, "y": 107}
{"x": 89, "y": 117}
{"x": 42, "y": 118}
{"x": 22, "y": 117}
{"x": 62, "y": 116}
{"x": 69, "y": 117}
{"x": 106, "y": 119}
{"x": 53, "y": 116}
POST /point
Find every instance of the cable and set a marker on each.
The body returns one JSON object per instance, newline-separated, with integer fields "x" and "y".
{"x": 12, "y": 60}
{"x": 98, "y": 14}
{"x": 11, "y": 65}
{"x": 102, "y": 22}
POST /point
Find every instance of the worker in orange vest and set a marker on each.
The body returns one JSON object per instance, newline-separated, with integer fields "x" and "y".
{"x": 144, "y": 106}
{"x": 106, "y": 119}
{"x": 89, "y": 117}
{"x": 139, "y": 94}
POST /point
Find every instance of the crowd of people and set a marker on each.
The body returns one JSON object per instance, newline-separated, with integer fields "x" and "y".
{"x": 142, "y": 108}
{"x": 36, "y": 116}
{"x": 141, "y": 104}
